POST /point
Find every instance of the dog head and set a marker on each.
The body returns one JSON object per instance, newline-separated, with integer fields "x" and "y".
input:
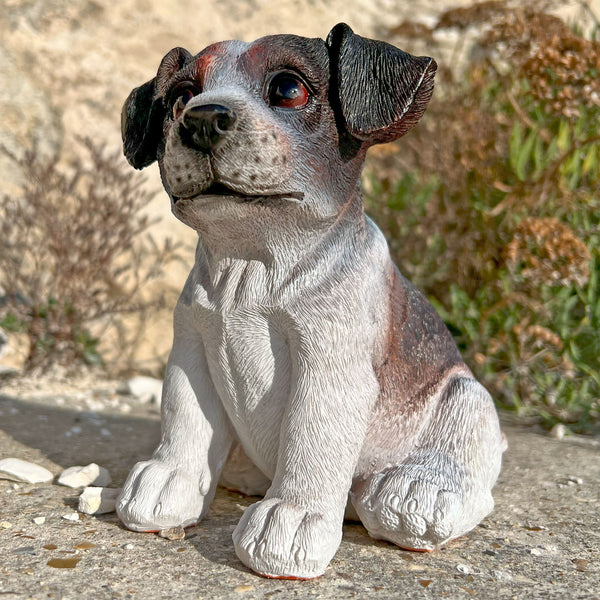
{"x": 283, "y": 122}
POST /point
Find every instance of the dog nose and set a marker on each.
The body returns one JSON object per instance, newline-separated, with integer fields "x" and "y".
{"x": 203, "y": 127}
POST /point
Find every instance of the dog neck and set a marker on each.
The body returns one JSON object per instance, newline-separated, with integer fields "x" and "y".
{"x": 266, "y": 245}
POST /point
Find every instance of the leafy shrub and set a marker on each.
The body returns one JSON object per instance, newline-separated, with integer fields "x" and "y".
{"x": 74, "y": 251}
{"x": 497, "y": 217}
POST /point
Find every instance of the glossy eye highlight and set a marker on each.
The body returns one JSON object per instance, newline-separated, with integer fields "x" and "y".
{"x": 287, "y": 90}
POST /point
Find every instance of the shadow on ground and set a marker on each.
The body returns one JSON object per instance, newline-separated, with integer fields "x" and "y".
{"x": 68, "y": 437}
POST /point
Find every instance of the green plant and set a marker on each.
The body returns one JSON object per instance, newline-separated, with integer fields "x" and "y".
{"x": 74, "y": 253}
{"x": 498, "y": 218}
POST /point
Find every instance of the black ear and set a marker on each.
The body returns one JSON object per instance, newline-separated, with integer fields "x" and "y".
{"x": 381, "y": 91}
{"x": 141, "y": 125}
{"x": 143, "y": 112}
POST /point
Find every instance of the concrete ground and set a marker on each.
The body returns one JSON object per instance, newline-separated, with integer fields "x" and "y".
{"x": 542, "y": 540}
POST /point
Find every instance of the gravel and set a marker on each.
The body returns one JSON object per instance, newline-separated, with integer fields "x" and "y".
{"x": 542, "y": 540}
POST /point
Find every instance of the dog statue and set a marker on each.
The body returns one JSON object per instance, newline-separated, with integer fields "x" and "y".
{"x": 304, "y": 367}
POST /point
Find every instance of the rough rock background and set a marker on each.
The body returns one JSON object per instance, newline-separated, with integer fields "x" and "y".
{"x": 66, "y": 67}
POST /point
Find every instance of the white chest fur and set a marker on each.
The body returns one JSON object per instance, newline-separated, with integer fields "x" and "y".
{"x": 247, "y": 353}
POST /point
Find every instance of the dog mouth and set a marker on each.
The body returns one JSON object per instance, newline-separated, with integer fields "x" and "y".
{"x": 218, "y": 189}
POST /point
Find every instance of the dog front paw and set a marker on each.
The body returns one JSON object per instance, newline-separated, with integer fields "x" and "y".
{"x": 282, "y": 539}
{"x": 157, "y": 495}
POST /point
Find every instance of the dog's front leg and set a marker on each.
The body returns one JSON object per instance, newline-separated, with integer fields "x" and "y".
{"x": 176, "y": 486}
{"x": 295, "y": 531}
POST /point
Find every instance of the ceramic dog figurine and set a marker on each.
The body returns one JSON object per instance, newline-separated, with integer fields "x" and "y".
{"x": 304, "y": 366}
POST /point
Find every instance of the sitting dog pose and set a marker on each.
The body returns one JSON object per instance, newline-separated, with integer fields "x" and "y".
{"x": 304, "y": 367}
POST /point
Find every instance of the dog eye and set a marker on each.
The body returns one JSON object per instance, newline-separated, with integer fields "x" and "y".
{"x": 286, "y": 90}
{"x": 180, "y": 97}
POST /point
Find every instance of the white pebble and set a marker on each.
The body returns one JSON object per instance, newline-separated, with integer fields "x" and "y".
{"x": 95, "y": 405}
{"x": 465, "y": 569}
{"x": 536, "y": 551}
{"x": 128, "y": 547}
{"x": 145, "y": 389}
{"x": 92, "y": 474}
{"x": 39, "y": 520}
{"x": 5, "y": 525}
{"x": 98, "y": 500}
{"x": 71, "y": 517}
{"x": 16, "y": 469}
{"x": 105, "y": 432}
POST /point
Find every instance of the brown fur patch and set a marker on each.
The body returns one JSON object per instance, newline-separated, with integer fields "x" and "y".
{"x": 419, "y": 350}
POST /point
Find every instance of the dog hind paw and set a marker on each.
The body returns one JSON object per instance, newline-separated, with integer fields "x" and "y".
{"x": 418, "y": 508}
{"x": 157, "y": 496}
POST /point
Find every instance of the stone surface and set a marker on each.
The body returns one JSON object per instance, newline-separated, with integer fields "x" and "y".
{"x": 98, "y": 500}
{"x": 542, "y": 540}
{"x": 16, "y": 469}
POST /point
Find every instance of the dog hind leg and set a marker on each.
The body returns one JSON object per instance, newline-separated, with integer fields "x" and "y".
{"x": 442, "y": 489}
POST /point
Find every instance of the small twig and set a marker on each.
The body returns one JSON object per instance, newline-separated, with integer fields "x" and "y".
{"x": 542, "y": 132}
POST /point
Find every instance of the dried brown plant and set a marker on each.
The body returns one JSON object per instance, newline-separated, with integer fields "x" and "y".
{"x": 491, "y": 204}
{"x": 548, "y": 252}
{"x": 74, "y": 253}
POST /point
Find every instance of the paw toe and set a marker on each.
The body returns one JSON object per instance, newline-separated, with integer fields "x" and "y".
{"x": 413, "y": 524}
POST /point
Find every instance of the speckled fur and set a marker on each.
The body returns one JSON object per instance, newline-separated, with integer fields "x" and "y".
{"x": 300, "y": 352}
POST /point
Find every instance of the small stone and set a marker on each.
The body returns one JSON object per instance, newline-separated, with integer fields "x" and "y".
{"x": 172, "y": 533}
{"x": 24, "y": 550}
{"x": 242, "y": 589}
{"x": 536, "y": 551}
{"x": 575, "y": 480}
{"x": 92, "y": 474}
{"x": 98, "y": 500}
{"x": 128, "y": 547}
{"x": 465, "y": 569}
{"x": 502, "y": 575}
{"x": 64, "y": 563}
{"x": 144, "y": 389}
{"x": 580, "y": 564}
{"x": 71, "y": 517}
{"x": 558, "y": 431}
{"x": 16, "y": 469}
{"x": 5, "y": 525}
{"x": 39, "y": 520}
{"x": 85, "y": 546}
